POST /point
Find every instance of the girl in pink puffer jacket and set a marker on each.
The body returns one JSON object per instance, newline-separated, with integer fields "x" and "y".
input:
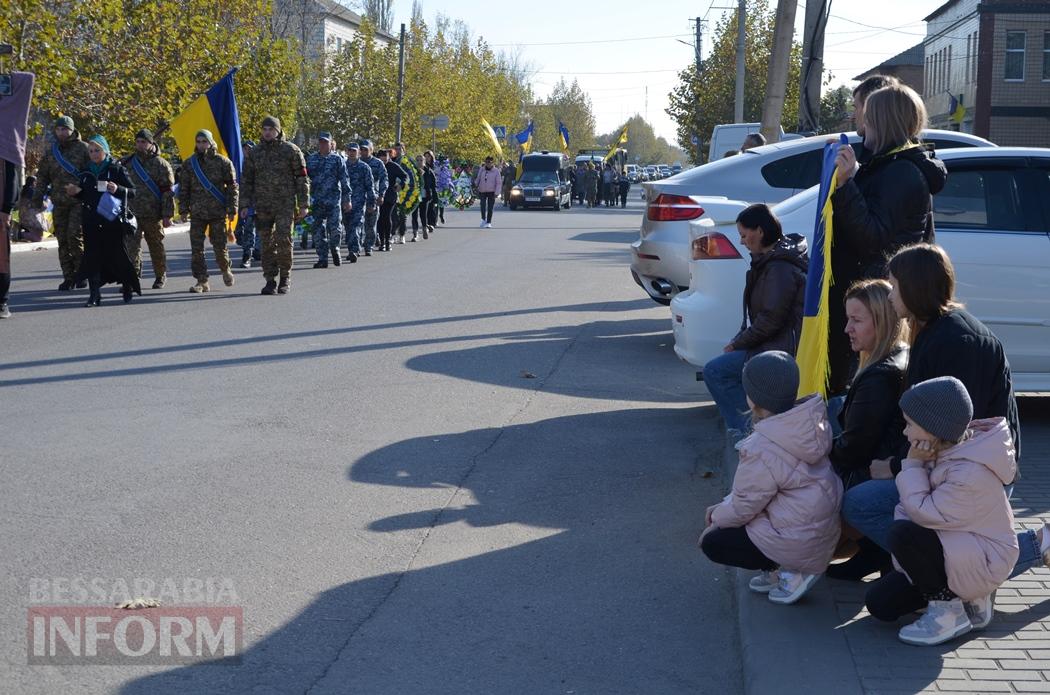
{"x": 782, "y": 516}
{"x": 952, "y": 540}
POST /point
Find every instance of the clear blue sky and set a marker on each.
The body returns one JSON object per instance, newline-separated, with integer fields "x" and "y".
{"x": 642, "y": 48}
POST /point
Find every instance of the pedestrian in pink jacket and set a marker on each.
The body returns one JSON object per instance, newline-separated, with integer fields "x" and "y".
{"x": 782, "y": 516}
{"x": 488, "y": 182}
{"x": 952, "y": 539}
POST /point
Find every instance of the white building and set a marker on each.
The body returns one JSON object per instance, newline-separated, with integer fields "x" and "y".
{"x": 321, "y": 25}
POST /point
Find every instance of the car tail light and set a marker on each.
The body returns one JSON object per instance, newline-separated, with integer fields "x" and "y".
{"x": 673, "y": 208}
{"x": 713, "y": 246}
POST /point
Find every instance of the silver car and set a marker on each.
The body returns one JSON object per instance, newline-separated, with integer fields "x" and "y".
{"x": 767, "y": 174}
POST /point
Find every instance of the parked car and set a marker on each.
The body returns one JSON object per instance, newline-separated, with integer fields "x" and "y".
{"x": 767, "y": 174}
{"x": 993, "y": 219}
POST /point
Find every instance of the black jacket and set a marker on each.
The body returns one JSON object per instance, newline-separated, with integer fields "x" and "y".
{"x": 959, "y": 345}
{"x": 773, "y": 296}
{"x": 869, "y": 417}
{"x": 398, "y": 180}
{"x": 885, "y": 206}
{"x": 105, "y": 248}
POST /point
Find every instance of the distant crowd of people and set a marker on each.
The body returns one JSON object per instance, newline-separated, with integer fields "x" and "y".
{"x": 908, "y": 466}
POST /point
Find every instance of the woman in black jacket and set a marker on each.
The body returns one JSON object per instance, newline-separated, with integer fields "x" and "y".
{"x": 879, "y": 206}
{"x": 773, "y": 297}
{"x": 431, "y": 188}
{"x": 105, "y": 257}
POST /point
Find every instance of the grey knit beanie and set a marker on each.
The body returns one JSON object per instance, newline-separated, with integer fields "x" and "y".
{"x": 940, "y": 406}
{"x": 771, "y": 381}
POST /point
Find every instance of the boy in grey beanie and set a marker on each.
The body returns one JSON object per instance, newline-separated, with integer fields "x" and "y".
{"x": 771, "y": 381}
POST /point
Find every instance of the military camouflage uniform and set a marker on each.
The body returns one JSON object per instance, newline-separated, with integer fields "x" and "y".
{"x": 66, "y": 213}
{"x": 207, "y": 214}
{"x": 364, "y": 194}
{"x": 275, "y": 185}
{"x": 381, "y": 182}
{"x": 149, "y": 210}
{"x": 330, "y": 192}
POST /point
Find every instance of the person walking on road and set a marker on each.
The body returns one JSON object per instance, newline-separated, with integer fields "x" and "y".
{"x": 331, "y": 198}
{"x": 246, "y": 234}
{"x": 105, "y": 258}
{"x": 397, "y": 154}
{"x": 208, "y": 193}
{"x": 488, "y": 182}
{"x": 362, "y": 196}
{"x": 397, "y": 179}
{"x": 153, "y": 207}
{"x": 381, "y": 181}
{"x": 275, "y": 185}
{"x": 61, "y": 166}
{"x": 591, "y": 181}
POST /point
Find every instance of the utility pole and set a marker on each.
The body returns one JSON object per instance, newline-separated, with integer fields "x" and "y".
{"x": 741, "y": 27}
{"x": 776, "y": 80}
{"x": 812, "y": 65}
{"x": 400, "y": 83}
{"x": 699, "y": 44}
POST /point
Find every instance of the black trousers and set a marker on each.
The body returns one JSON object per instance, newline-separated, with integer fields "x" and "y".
{"x": 731, "y": 546}
{"x": 5, "y": 278}
{"x": 919, "y": 551}
{"x": 415, "y": 217}
{"x": 385, "y": 223}
{"x": 488, "y": 201}
{"x": 399, "y": 222}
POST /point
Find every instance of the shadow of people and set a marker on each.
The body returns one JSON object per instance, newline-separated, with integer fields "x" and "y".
{"x": 560, "y": 558}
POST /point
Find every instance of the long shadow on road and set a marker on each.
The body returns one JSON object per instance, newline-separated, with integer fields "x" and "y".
{"x": 602, "y": 592}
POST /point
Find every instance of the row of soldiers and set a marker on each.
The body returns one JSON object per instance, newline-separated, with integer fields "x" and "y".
{"x": 274, "y": 193}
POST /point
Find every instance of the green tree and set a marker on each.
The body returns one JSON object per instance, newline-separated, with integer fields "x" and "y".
{"x": 568, "y": 103}
{"x": 836, "y": 105}
{"x": 643, "y": 146}
{"x": 705, "y": 99}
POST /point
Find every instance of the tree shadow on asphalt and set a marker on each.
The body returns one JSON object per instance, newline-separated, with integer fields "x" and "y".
{"x": 608, "y": 237}
{"x": 531, "y": 348}
{"x": 595, "y": 597}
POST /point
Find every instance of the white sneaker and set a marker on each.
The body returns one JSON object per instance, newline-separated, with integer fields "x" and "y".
{"x": 980, "y": 612}
{"x": 764, "y": 582}
{"x": 943, "y": 621}
{"x": 482, "y": 225}
{"x": 791, "y": 587}
{"x": 488, "y": 225}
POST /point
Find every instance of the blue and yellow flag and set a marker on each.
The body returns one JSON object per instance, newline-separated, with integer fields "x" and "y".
{"x": 524, "y": 138}
{"x": 216, "y": 111}
{"x": 491, "y": 135}
{"x": 812, "y": 357}
{"x": 621, "y": 140}
{"x": 955, "y": 109}
{"x": 563, "y": 133}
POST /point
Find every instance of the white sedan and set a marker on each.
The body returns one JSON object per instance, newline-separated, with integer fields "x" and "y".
{"x": 993, "y": 219}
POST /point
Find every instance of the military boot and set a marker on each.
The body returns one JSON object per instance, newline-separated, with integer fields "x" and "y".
{"x": 321, "y": 264}
{"x": 227, "y": 277}
{"x": 270, "y": 287}
{"x": 336, "y": 258}
{"x": 159, "y": 282}
{"x": 201, "y": 287}
{"x": 284, "y": 285}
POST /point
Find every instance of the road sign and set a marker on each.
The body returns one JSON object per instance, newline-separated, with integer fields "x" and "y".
{"x": 500, "y": 131}
{"x": 695, "y": 140}
{"x": 440, "y": 122}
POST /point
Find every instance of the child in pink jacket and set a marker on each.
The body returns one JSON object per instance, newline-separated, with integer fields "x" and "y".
{"x": 953, "y": 540}
{"x": 782, "y": 516}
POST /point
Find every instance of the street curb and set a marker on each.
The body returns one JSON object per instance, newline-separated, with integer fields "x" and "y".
{"x": 52, "y": 243}
{"x": 804, "y": 643}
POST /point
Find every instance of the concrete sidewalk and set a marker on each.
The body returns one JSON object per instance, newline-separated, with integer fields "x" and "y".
{"x": 827, "y": 643}
{"x": 52, "y": 242}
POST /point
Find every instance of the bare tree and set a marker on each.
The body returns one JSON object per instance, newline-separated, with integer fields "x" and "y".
{"x": 379, "y": 12}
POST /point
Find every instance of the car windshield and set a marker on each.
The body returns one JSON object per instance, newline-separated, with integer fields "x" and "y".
{"x": 538, "y": 177}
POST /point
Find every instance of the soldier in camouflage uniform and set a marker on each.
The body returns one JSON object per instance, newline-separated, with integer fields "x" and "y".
{"x": 208, "y": 192}
{"x": 380, "y": 178}
{"x": 330, "y": 197}
{"x": 363, "y": 194}
{"x": 61, "y": 165}
{"x": 275, "y": 184}
{"x": 153, "y": 207}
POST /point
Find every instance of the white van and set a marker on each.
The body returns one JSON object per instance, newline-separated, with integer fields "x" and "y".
{"x": 730, "y": 136}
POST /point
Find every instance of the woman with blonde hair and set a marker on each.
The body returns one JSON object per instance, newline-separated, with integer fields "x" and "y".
{"x": 880, "y": 205}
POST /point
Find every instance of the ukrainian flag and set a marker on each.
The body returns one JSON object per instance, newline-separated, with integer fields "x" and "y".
{"x": 563, "y": 132}
{"x": 955, "y": 109}
{"x": 622, "y": 140}
{"x": 215, "y": 110}
{"x": 491, "y": 135}
{"x": 812, "y": 357}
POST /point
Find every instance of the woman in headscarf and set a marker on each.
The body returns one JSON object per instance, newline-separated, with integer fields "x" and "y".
{"x": 105, "y": 252}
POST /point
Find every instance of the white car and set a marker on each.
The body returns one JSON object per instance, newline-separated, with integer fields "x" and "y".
{"x": 993, "y": 219}
{"x": 767, "y": 174}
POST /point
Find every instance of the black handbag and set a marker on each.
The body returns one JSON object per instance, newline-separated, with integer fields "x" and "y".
{"x": 129, "y": 225}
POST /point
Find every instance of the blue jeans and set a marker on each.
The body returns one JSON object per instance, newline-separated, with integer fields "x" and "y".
{"x": 868, "y": 507}
{"x": 327, "y": 230}
{"x": 835, "y": 404}
{"x": 724, "y": 378}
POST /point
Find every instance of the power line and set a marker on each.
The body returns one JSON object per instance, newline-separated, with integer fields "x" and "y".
{"x": 579, "y": 43}
{"x": 612, "y": 72}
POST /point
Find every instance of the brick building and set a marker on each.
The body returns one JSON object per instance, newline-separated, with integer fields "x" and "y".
{"x": 906, "y": 67}
{"x": 994, "y": 57}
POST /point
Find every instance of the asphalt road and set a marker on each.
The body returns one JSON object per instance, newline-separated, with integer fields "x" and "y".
{"x": 471, "y": 465}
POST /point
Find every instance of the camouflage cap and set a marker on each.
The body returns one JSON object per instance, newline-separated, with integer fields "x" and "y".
{"x": 64, "y": 122}
{"x": 144, "y": 134}
{"x": 272, "y": 122}
{"x": 366, "y": 144}
{"x": 352, "y": 146}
